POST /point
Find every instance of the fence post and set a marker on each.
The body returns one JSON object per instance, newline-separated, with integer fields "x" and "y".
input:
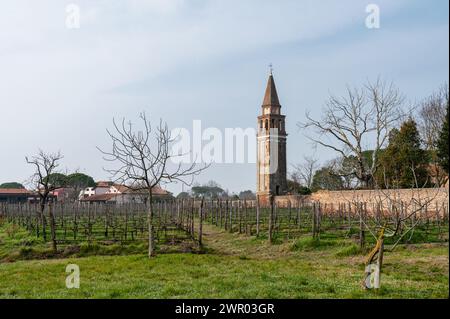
{"x": 314, "y": 221}
{"x": 361, "y": 227}
{"x": 271, "y": 218}
{"x": 200, "y": 226}
{"x": 257, "y": 215}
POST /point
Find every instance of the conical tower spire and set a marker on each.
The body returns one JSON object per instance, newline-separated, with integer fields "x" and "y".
{"x": 271, "y": 96}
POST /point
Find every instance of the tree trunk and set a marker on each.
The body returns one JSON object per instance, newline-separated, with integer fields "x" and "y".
{"x": 52, "y": 227}
{"x": 361, "y": 228}
{"x": 272, "y": 204}
{"x": 44, "y": 228}
{"x": 314, "y": 221}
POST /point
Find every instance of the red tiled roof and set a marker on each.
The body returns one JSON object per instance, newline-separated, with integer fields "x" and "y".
{"x": 125, "y": 189}
{"x": 122, "y": 188}
{"x": 14, "y": 191}
{"x": 159, "y": 191}
{"x": 99, "y": 198}
{"x": 104, "y": 184}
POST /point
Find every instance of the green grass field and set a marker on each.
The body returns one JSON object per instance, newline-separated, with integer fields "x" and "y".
{"x": 232, "y": 266}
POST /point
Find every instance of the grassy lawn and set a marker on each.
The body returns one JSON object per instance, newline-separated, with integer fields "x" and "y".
{"x": 234, "y": 266}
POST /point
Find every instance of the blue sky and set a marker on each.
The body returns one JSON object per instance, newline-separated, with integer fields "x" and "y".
{"x": 198, "y": 60}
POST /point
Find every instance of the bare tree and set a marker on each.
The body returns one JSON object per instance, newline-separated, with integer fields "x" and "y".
{"x": 144, "y": 162}
{"x": 45, "y": 179}
{"x": 351, "y": 123}
{"x": 304, "y": 172}
{"x": 431, "y": 117}
{"x": 345, "y": 169}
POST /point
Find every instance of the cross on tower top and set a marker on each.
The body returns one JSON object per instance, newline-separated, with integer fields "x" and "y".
{"x": 271, "y": 68}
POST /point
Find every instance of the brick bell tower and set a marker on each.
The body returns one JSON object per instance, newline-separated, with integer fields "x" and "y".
{"x": 271, "y": 158}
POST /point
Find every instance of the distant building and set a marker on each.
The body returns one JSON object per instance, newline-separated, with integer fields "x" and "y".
{"x": 102, "y": 187}
{"x": 62, "y": 194}
{"x": 108, "y": 192}
{"x": 12, "y": 195}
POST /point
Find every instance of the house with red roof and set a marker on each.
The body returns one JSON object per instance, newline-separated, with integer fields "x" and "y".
{"x": 15, "y": 195}
{"x": 109, "y": 192}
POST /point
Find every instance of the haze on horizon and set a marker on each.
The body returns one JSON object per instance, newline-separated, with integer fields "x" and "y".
{"x": 183, "y": 60}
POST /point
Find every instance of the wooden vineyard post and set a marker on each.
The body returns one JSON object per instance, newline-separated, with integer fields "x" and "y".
{"x": 230, "y": 226}
{"x": 248, "y": 230}
{"x": 316, "y": 220}
{"x": 220, "y": 214}
{"x": 216, "y": 218}
{"x": 126, "y": 223}
{"x": 182, "y": 214}
{"x": 319, "y": 220}
{"x": 271, "y": 219}
{"x": 63, "y": 224}
{"x": 276, "y": 219}
{"x": 257, "y": 215}
{"x": 192, "y": 219}
{"x": 37, "y": 220}
{"x": 239, "y": 216}
{"x": 349, "y": 217}
{"x": 106, "y": 221}
{"x": 289, "y": 220}
{"x": 52, "y": 226}
{"x": 188, "y": 217}
{"x": 361, "y": 227}
{"x": 210, "y": 212}
{"x": 443, "y": 217}
{"x": 226, "y": 215}
{"x": 200, "y": 225}
{"x": 29, "y": 219}
{"x": 89, "y": 224}
{"x": 177, "y": 221}
{"x": 438, "y": 220}
{"x": 75, "y": 224}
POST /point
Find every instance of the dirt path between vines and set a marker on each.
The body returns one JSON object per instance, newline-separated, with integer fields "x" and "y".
{"x": 222, "y": 242}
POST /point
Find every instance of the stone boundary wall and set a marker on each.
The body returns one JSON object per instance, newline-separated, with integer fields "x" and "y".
{"x": 372, "y": 197}
{"x": 331, "y": 200}
{"x": 377, "y": 196}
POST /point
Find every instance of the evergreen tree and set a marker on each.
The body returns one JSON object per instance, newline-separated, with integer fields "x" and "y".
{"x": 13, "y": 185}
{"x": 404, "y": 162}
{"x": 326, "y": 179}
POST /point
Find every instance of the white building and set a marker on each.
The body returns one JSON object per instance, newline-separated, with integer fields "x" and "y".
{"x": 110, "y": 192}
